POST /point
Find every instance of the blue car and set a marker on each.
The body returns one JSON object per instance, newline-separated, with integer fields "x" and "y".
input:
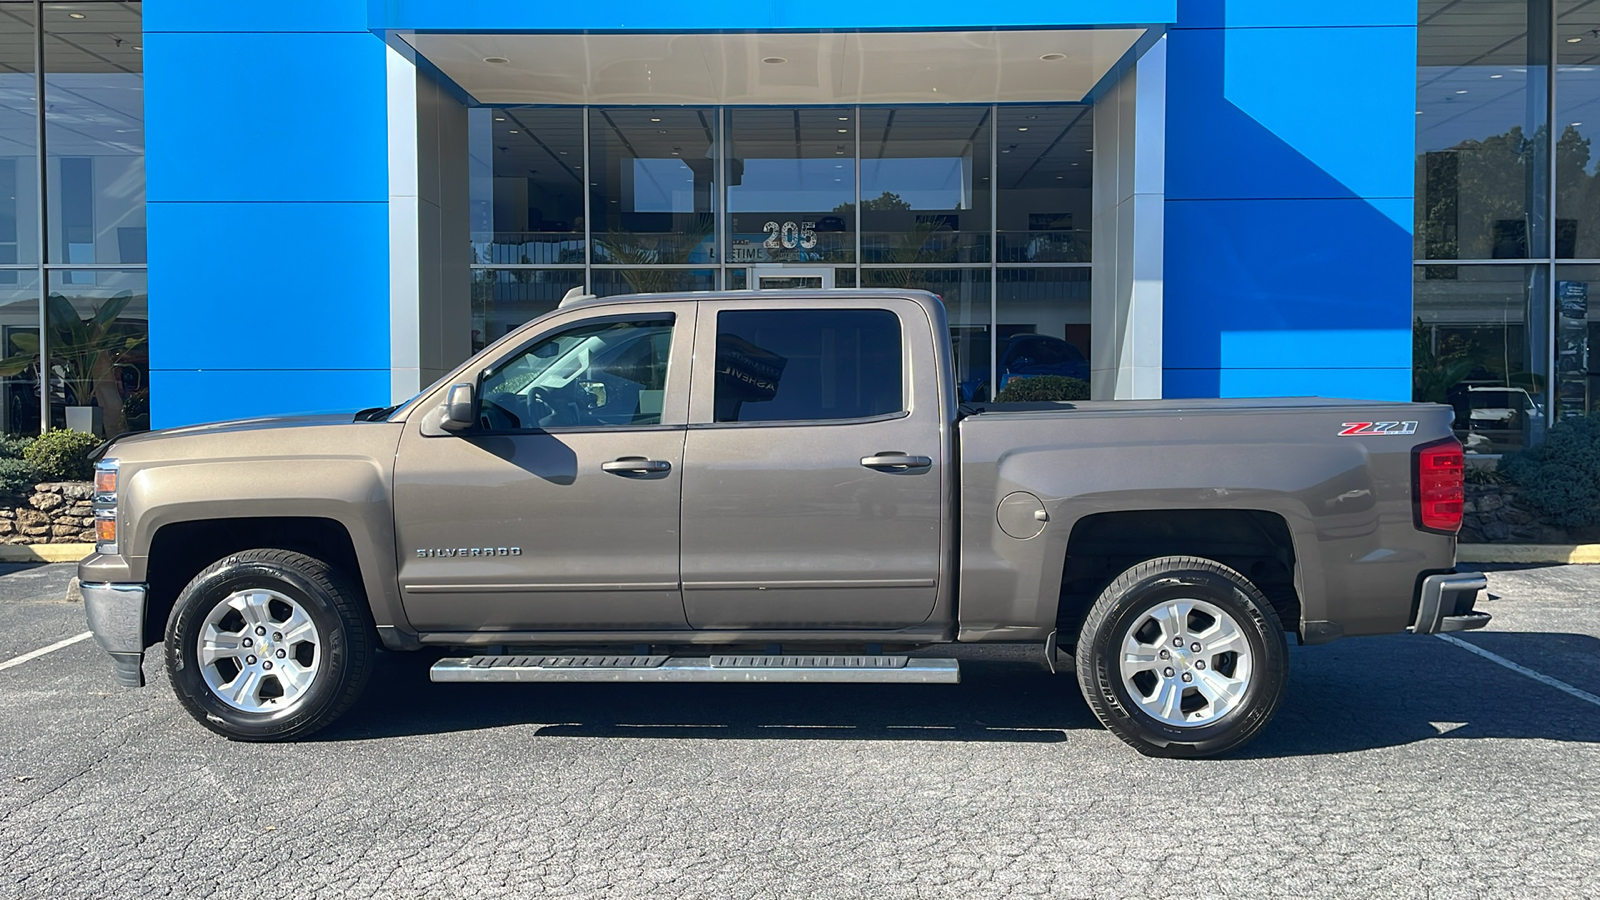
{"x": 1022, "y": 356}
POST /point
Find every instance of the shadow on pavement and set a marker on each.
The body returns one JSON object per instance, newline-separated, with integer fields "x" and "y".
{"x": 1355, "y": 694}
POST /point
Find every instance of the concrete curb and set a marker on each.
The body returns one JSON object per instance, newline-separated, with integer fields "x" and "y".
{"x": 50, "y": 553}
{"x": 1587, "y": 554}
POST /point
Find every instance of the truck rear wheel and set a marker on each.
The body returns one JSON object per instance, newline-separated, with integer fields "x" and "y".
{"x": 268, "y": 645}
{"x": 1182, "y": 657}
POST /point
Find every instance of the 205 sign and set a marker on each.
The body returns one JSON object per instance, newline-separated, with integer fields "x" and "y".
{"x": 790, "y": 235}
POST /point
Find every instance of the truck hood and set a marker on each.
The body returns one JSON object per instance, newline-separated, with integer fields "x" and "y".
{"x": 261, "y": 423}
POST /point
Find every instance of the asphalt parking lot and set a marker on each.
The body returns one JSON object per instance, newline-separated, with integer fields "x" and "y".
{"x": 1398, "y": 767}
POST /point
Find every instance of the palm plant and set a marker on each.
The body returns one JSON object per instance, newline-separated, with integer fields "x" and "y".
{"x": 86, "y": 354}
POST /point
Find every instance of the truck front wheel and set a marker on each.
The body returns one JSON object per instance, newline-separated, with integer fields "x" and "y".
{"x": 1182, "y": 657}
{"x": 268, "y": 645}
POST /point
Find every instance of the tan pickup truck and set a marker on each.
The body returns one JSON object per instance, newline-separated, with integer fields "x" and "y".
{"x": 771, "y": 487}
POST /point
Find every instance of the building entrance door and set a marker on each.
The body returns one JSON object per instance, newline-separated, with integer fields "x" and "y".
{"x": 791, "y": 278}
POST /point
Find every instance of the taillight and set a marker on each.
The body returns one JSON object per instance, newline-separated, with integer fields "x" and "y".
{"x": 1438, "y": 472}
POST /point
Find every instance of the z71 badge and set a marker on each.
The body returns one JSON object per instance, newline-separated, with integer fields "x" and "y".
{"x": 1365, "y": 428}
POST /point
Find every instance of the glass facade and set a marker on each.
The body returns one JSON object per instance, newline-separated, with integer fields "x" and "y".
{"x": 1502, "y": 330}
{"x": 72, "y": 118}
{"x": 953, "y": 199}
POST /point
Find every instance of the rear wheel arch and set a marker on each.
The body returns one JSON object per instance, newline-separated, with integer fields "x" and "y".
{"x": 1257, "y": 543}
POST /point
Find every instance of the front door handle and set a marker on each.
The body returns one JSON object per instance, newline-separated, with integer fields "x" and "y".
{"x": 895, "y": 462}
{"x": 636, "y": 465}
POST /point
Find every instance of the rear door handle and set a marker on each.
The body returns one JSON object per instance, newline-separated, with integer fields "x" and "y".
{"x": 895, "y": 461}
{"x": 636, "y": 465}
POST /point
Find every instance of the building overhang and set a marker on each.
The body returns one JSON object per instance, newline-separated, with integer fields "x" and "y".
{"x": 779, "y": 67}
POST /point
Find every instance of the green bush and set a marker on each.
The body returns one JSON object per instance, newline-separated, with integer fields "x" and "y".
{"x": 62, "y": 455}
{"x": 1561, "y": 477}
{"x": 1043, "y": 387}
{"x": 16, "y": 473}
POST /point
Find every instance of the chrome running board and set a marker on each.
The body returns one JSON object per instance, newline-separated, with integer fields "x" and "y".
{"x": 814, "y": 669}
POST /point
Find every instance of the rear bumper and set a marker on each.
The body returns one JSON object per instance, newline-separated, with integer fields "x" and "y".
{"x": 1445, "y": 603}
{"x": 116, "y": 616}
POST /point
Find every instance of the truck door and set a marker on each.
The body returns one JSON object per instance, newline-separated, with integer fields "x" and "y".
{"x": 560, "y": 510}
{"x": 812, "y": 467}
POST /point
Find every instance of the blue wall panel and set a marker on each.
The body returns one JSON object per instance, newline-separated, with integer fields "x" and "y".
{"x": 624, "y": 15}
{"x": 1289, "y": 189}
{"x": 192, "y": 397}
{"x": 267, "y": 161}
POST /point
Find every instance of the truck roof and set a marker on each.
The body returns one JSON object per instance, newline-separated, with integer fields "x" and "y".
{"x": 811, "y": 295}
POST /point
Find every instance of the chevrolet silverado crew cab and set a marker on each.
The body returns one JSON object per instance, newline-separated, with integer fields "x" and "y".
{"x": 774, "y": 486}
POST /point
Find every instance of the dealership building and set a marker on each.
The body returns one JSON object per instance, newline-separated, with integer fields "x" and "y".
{"x": 225, "y": 209}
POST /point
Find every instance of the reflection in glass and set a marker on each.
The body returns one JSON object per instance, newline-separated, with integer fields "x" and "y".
{"x": 1577, "y": 122}
{"x": 653, "y": 185}
{"x": 650, "y": 281}
{"x": 94, "y": 132}
{"x": 1043, "y": 326}
{"x": 19, "y": 369}
{"x": 925, "y": 184}
{"x": 1577, "y": 341}
{"x": 526, "y": 170}
{"x": 19, "y": 167}
{"x": 1046, "y": 160}
{"x": 98, "y": 344}
{"x": 503, "y": 299}
{"x": 1481, "y": 131}
{"x": 791, "y": 185}
{"x": 796, "y": 365}
{"x": 598, "y": 374}
{"x": 965, "y": 293}
{"x": 1477, "y": 345}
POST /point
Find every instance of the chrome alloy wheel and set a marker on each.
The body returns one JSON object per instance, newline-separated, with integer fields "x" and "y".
{"x": 1186, "y": 663}
{"x": 259, "y": 651}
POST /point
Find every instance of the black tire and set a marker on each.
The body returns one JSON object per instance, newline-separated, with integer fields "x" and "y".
{"x": 1126, "y": 604}
{"x": 344, "y": 653}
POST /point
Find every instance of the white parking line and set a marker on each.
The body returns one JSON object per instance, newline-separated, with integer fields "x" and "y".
{"x": 1540, "y": 677}
{"x": 19, "y": 660}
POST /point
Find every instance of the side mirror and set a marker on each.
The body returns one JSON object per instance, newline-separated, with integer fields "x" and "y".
{"x": 459, "y": 411}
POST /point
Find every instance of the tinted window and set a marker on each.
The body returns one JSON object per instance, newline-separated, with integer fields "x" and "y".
{"x": 605, "y": 373}
{"x": 807, "y": 364}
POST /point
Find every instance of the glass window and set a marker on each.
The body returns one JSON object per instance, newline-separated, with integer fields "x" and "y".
{"x": 1577, "y": 340}
{"x": 652, "y": 281}
{"x": 19, "y": 167}
{"x": 1045, "y": 191}
{"x": 504, "y": 299}
{"x": 1577, "y": 174}
{"x": 1481, "y": 131}
{"x": 1043, "y": 326}
{"x": 965, "y": 293}
{"x": 807, "y": 365}
{"x": 653, "y": 185}
{"x": 925, "y": 184}
{"x": 19, "y": 353}
{"x": 94, "y": 132}
{"x": 526, "y": 169}
{"x": 98, "y": 345}
{"x": 791, "y": 185}
{"x": 1477, "y": 346}
{"x": 598, "y": 374}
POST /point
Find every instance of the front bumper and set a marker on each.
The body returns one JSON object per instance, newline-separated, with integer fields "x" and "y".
{"x": 116, "y": 616}
{"x": 1445, "y": 603}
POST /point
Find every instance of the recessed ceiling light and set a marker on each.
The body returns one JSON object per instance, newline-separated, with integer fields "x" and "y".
{"x": 74, "y": 15}
{"x": 661, "y": 131}
{"x": 1052, "y": 57}
{"x": 674, "y": 153}
{"x": 1496, "y": 76}
{"x": 774, "y": 60}
{"x": 563, "y": 153}
{"x": 844, "y": 118}
{"x": 844, "y": 131}
{"x": 1419, "y": 112}
{"x": 1059, "y": 177}
{"x": 1005, "y": 151}
{"x": 1022, "y": 128}
{"x": 137, "y": 47}
{"x": 496, "y": 60}
{"x": 1461, "y": 92}
{"x": 1576, "y": 124}
{"x": 1574, "y": 40}
{"x": 499, "y": 118}
{"x": 1074, "y": 163}
{"x": 514, "y": 131}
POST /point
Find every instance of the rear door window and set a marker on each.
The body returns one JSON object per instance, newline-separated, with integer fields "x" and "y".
{"x": 807, "y": 365}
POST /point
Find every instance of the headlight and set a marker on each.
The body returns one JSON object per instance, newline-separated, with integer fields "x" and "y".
{"x": 105, "y": 506}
